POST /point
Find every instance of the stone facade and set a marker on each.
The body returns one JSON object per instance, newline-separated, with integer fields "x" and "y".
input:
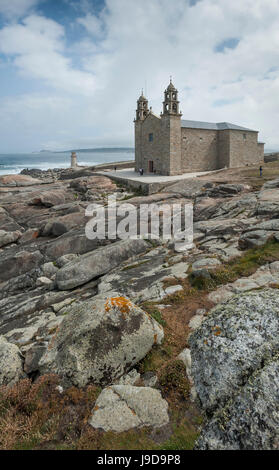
{"x": 168, "y": 145}
{"x": 203, "y": 144}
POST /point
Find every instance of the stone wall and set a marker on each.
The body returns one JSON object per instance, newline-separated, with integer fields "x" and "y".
{"x": 261, "y": 151}
{"x": 166, "y": 141}
{"x": 138, "y": 162}
{"x": 199, "y": 149}
{"x": 243, "y": 148}
{"x": 224, "y": 149}
{"x": 146, "y": 150}
{"x": 172, "y": 156}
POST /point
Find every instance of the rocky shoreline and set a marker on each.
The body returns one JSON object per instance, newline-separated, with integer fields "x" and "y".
{"x": 167, "y": 337}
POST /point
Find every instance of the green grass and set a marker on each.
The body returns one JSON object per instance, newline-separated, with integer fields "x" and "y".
{"x": 183, "y": 438}
{"x": 154, "y": 312}
{"x": 243, "y": 266}
{"x": 155, "y": 359}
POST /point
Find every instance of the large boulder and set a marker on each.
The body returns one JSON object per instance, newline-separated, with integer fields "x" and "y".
{"x": 49, "y": 198}
{"x": 11, "y": 363}
{"x": 59, "y": 225}
{"x": 232, "y": 342}
{"x": 251, "y": 421}
{"x": 6, "y": 222}
{"x": 98, "y": 183}
{"x": 18, "y": 180}
{"x": 123, "y": 407}
{"x": 73, "y": 242}
{"x": 8, "y": 237}
{"x": 98, "y": 262}
{"x": 233, "y": 352}
{"x": 254, "y": 239}
{"x": 100, "y": 340}
{"x": 223, "y": 190}
{"x": 15, "y": 264}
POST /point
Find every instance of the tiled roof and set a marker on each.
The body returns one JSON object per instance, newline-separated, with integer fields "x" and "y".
{"x": 221, "y": 126}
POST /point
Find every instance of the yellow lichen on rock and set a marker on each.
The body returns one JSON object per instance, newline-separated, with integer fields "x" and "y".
{"x": 217, "y": 331}
{"x": 123, "y": 304}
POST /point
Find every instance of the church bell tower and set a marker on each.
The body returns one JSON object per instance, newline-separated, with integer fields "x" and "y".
{"x": 171, "y": 130}
{"x": 141, "y": 113}
{"x": 142, "y": 108}
{"x": 171, "y": 103}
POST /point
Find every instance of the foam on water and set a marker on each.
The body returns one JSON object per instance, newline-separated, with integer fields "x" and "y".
{"x": 15, "y": 163}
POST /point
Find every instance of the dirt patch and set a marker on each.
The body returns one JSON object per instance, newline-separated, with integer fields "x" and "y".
{"x": 248, "y": 175}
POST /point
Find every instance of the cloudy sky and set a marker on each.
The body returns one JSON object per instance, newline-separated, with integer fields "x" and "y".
{"x": 72, "y": 70}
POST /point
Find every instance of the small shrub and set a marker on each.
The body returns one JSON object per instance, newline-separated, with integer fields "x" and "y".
{"x": 173, "y": 378}
{"x": 154, "y": 312}
{"x": 183, "y": 438}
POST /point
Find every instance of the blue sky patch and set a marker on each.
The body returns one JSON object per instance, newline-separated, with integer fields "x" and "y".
{"x": 230, "y": 43}
{"x": 225, "y": 102}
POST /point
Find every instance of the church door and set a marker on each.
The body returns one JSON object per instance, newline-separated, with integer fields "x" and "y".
{"x": 150, "y": 166}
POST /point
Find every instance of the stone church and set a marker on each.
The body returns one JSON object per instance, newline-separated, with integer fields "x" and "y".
{"x": 169, "y": 145}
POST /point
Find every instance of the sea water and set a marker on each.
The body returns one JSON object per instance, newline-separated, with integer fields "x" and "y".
{"x": 14, "y": 163}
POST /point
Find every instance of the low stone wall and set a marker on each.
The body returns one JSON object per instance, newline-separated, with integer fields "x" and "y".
{"x": 271, "y": 157}
{"x": 120, "y": 165}
{"x": 144, "y": 187}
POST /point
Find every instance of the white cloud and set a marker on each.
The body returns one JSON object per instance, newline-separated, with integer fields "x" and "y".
{"x": 39, "y": 52}
{"x": 16, "y": 8}
{"x": 149, "y": 40}
{"x": 130, "y": 43}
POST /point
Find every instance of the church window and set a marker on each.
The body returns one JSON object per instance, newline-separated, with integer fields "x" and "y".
{"x": 244, "y": 136}
{"x": 150, "y": 137}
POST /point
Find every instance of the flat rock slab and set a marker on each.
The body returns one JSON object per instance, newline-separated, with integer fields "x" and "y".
{"x": 206, "y": 263}
{"x": 143, "y": 278}
{"x": 18, "y": 180}
{"x": 123, "y": 407}
{"x": 98, "y": 262}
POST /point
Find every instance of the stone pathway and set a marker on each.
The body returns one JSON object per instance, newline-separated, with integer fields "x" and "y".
{"x": 151, "y": 177}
